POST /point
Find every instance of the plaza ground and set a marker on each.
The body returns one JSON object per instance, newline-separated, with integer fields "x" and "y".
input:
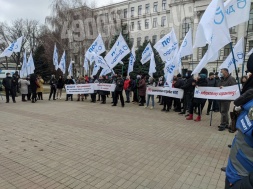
{"x": 81, "y": 145}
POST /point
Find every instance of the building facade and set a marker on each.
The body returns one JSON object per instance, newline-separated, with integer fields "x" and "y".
{"x": 149, "y": 20}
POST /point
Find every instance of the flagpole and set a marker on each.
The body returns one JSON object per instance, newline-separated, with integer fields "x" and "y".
{"x": 192, "y": 61}
{"x": 236, "y": 71}
{"x": 246, "y": 41}
{"x": 7, "y": 67}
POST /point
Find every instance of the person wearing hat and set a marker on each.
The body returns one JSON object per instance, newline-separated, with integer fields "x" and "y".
{"x": 211, "y": 82}
{"x": 239, "y": 170}
{"x": 10, "y": 87}
{"x": 226, "y": 80}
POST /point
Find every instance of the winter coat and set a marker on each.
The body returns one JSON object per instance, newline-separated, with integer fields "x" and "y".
{"x": 53, "y": 83}
{"x": 142, "y": 87}
{"x": 23, "y": 86}
{"x": 127, "y": 85}
{"x": 179, "y": 83}
{"x": 8, "y": 83}
{"x": 211, "y": 82}
{"x": 103, "y": 92}
{"x": 229, "y": 81}
{"x": 119, "y": 84}
{"x": 188, "y": 87}
{"x": 40, "y": 89}
{"x": 60, "y": 83}
{"x": 69, "y": 82}
{"x": 202, "y": 82}
{"x": 33, "y": 83}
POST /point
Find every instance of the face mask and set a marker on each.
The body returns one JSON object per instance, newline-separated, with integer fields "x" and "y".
{"x": 221, "y": 75}
{"x": 186, "y": 75}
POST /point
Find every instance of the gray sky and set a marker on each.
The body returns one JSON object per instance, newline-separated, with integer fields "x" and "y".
{"x": 31, "y": 9}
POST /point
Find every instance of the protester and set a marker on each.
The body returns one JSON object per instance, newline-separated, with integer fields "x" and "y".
{"x": 211, "y": 82}
{"x": 226, "y": 80}
{"x": 198, "y": 102}
{"x": 40, "y": 88}
{"x": 93, "y": 96}
{"x": 34, "y": 85}
{"x": 98, "y": 92}
{"x": 135, "y": 89}
{"x": 127, "y": 88}
{"x": 69, "y": 81}
{"x": 160, "y": 84}
{"x": 142, "y": 90}
{"x": 244, "y": 80}
{"x": 16, "y": 77}
{"x": 152, "y": 83}
{"x": 23, "y": 83}
{"x": 239, "y": 170}
{"x": 80, "y": 80}
{"x": 103, "y": 94}
{"x": 29, "y": 89}
{"x": 179, "y": 82}
{"x": 60, "y": 85}
{"x": 10, "y": 87}
{"x": 118, "y": 91}
{"x": 53, "y": 86}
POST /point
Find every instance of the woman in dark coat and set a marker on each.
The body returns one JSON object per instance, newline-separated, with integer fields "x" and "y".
{"x": 60, "y": 85}
{"x": 69, "y": 81}
{"x": 103, "y": 93}
{"x": 142, "y": 90}
{"x": 33, "y": 85}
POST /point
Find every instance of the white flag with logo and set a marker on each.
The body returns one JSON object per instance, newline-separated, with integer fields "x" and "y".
{"x": 105, "y": 71}
{"x": 13, "y": 47}
{"x": 55, "y": 57}
{"x": 167, "y": 47}
{"x": 119, "y": 50}
{"x": 131, "y": 61}
{"x": 95, "y": 69}
{"x": 152, "y": 66}
{"x": 23, "y": 71}
{"x": 169, "y": 71}
{"x": 86, "y": 64}
{"x": 30, "y": 65}
{"x": 70, "y": 69}
{"x": 146, "y": 54}
{"x": 237, "y": 11}
{"x": 62, "y": 64}
{"x": 97, "y": 47}
{"x": 100, "y": 61}
{"x": 250, "y": 52}
{"x": 239, "y": 57}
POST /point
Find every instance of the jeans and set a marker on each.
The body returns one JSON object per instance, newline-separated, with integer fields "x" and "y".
{"x": 127, "y": 95}
{"x": 152, "y": 98}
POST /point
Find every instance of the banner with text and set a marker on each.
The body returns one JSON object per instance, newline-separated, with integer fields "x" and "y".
{"x": 165, "y": 91}
{"x": 80, "y": 89}
{"x": 215, "y": 93}
{"x": 104, "y": 87}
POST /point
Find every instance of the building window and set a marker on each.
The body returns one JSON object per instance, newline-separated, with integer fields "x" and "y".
{"x": 132, "y": 26}
{"x": 138, "y": 41}
{"x": 227, "y": 50}
{"x": 154, "y": 39}
{"x": 139, "y": 10}
{"x": 251, "y": 21}
{"x": 186, "y": 25}
{"x": 232, "y": 30}
{"x": 146, "y": 38}
{"x": 147, "y": 9}
{"x": 132, "y": 11}
{"x": 164, "y": 4}
{"x": 154, "y": 22}
{"x": 125, "y": 13}
{"x": 146, "y": 23}
{"x": 155, "y": 6}
{"x": 204, "y": 50}
{"x": 163, "y": 21}
{"x": 139, "y": 25}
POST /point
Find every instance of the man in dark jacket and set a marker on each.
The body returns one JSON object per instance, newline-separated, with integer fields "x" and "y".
{"x": 10, "y": 87}
{"x": 226, "y": 80}
{"x": 178, "y": 84}
{"x": 118, "y": 91}
{"x": 211, "y": 82}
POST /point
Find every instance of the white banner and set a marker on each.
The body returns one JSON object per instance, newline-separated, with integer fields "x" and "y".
{"x": 30, "y": 65}
{"x": 80, "y": 89}
{"x": 215, "y": 93}
{"x": 104, "y": 87}
{"x": 165, "y": 91}
{"x": 97, "y": 47}
{"x": 152, "y": 66}
{"x": 146, "y": 54}
{"x": 117, "y": 53}
{"x": 62, "y": 64}
{"x": 55, "y": 58}
{"x": 131, "y": 61}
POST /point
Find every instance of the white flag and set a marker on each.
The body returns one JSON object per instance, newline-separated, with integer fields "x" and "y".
{"x": 167, "y": 47}
{"x": 23, "y": 71}
{"x": 30, "y": 65}
{"x": 55, "y": 58}
{"x": 119, "y": 50}
{"x": 105, "y": 71}
{"x": 239, "y": 57}
{"x": 237, "y": 11}
{"x": 250, "y": 52}
{"x": 13, "y": 47}
{"x": 95, "y": 69}
{"x": 97, "y": 47}
{"x": 100, "y": 61}
{"x": 70, "y": 69}
{"x": 131, "y": 61}
{"x": 146, "y": 54}
{"x": 152, "y": 65}
{"x": 169, "y": 71}
{"x": 86, "y": 65}
{"x": 203, "y": 62}
{"x": 62, "y": 64}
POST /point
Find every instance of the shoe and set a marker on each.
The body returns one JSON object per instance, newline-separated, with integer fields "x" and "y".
{"x": 190, "y": 117}
{"x": 181, "y": 113}
{"x": 78, "y": 99}
{"x": 163, "y": 110}
{"x": 82, "y": 99}
{"x": 123, "y": 105}
{"x": 198, "y": 118}
{"x": 54, "y": 99}
{"x": 152, "y": 107}
{"x": 167, "y": 111}
{"x": 223, "y": 169}
{"x": 161, "y": 104}
{"x": 216, "y": 110}
{"x": 49, "y": 99}
{"x": 177, "y": 110}
{"x": 141, "y": 104}
{"x": 114, "y": 105}
{"x": 6, "y": 102}
{"x": 231, "y": 131}
{"x": 66, "y": 100}
{"x": 221, "y": 128}
{"x": 229, "y": 145}
{"x": 145, "y": 106}
{"x": 14, "y": 101}
{"x": 98, "y": 100}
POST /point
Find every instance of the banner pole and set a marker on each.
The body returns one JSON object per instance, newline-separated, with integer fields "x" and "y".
{"x": 246, "y": 41}
{"x": 236, "y": 71}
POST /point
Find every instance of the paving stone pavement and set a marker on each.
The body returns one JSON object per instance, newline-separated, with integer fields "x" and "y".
{"x": 81, "y": 145}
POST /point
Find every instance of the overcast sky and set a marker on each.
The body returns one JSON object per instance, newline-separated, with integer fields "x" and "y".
{"x": 31, "y": 9}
